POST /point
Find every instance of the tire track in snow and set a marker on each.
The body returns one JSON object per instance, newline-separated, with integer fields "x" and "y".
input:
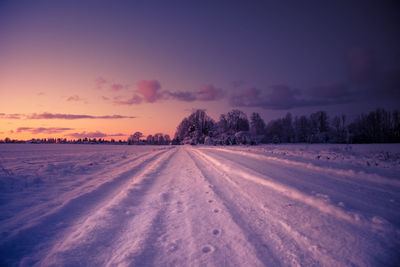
{"x": 95, "y": 234}
{"x": 181, "y": 228}
{"x": 345, "y": 242}
{"x": 282, "y": 238}
{"x": 284, "y": 190}
{"x": 222, "y": 241}
{"x": 351, "y": 195}
{"x": 81, "y": 186}
{"x": 370, "y": 177}
{"x": 244, "y": 217}
{"x": 35, "y": 238}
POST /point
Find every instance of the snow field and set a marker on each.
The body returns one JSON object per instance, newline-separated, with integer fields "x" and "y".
{"x": 193, "y": 206}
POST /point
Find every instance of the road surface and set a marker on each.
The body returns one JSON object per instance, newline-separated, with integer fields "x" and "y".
{"x": 205, "y": 206}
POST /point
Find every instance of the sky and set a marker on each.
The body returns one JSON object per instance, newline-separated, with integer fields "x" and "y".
{"x": 107, "y": 69}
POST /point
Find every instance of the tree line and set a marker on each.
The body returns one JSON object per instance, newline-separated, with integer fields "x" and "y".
{"x": 234, "y": 127}
{"x": 379, "y": 126}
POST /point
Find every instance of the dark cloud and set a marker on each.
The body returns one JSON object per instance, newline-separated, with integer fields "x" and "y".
{"x": 371, "y": 80}
{"x": 250, "y": 97}
{"x": 96, "y": 134}
{"x": 182, "y": 96}
{"x": 51, "y": 130}
{"x": 338, "y": 91}
{"x": 238, "y": 83}
{"x": 367, "y": 81}
{"x": 281, "y": 97}
{"x": 209, "y": 93}
{"x": 206, "y": 93}
{"x": 362, "y": 65}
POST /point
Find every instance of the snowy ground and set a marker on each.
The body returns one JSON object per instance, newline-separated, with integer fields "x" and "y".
{"x": 286, "y": 205}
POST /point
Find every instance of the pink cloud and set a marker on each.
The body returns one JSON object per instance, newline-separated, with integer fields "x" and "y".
{"x": 100, "y": 82}
{"x": 51, "y": 130}
{"x": 74, "y": 98}
{"x": 149, "y": 90}
{"x": 47, "y": 115}
{"x": 10, "y": 116}
{"x": 117, "y": 86}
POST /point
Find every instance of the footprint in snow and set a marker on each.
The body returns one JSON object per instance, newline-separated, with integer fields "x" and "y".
{"x": 172, "y": 247}
{"x": 207, "y": 249}
{"x": 165, "y": 196}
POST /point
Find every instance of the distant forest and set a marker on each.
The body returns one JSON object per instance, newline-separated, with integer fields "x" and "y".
{"x": 234, "y": 128}
{"x": 379, "y": 126}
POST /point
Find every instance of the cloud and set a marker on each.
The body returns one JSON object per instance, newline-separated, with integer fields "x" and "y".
{"x": 134, "y": 100}
{"x": 100, "y": 82}
{"x": 47, "y": 115}
{"x": 276, "y": 97}
{"x": 51, "y": 130}
{"x": 210, "y": 93}
{"x": 366, "y": 81}
{"x": 182, "y": 95}
{"x": 95, "y": 134}
{"x": 41, "y": 93}
{"x": 10, "y": 116}
{"x": 117, "y": 86}
{"x": 362, "y": 65}
{"x": 206, "y": 93}
{"x": 338, "y": 91}
{"x": 147, "y": 91}
{"x": 371, "y": 80}
{"x": 74, "y": 98}
{"x": 238, "y": 83}
{"x": 150, "y": 90}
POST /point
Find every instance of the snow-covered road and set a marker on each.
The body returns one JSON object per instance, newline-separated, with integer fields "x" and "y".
{"x": 192, "y": 206}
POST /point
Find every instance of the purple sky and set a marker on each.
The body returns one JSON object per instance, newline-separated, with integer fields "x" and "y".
{"x": 266, "y": 56}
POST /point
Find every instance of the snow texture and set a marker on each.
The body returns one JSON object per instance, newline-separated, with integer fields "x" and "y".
{"x": 271, "y": 205}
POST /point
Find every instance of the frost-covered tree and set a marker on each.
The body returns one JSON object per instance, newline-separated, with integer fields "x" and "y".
{"x": 274, "y": 131}
{"x": 339, "y": 129}
{"x": 257, "y": 124}
{"x": 149, "y": 139}
{"x": 319, "y": 127}
{"x": 302, "y": 129}
{"x": 237, "y": 121}
{"x": 134, "y": 138}
{"x": 379, "y": 126}
{"x": 287, "y": 129}
{"x": 195, "y": 128}
{"x": 167, "y": 139}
